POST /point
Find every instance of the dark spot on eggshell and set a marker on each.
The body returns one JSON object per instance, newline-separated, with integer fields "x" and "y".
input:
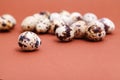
{"x": 32, "y": 46}
{"x": 97, "y": 30}
{"x": 106, "y": 27}
{"x": 3, "y": 24}
{"x": 68, "y": 29}
{"x": 23, "y": 37}
{"x": 2, "y": 17}
{"x": 78, "y": 25}
{"x": 79, "y": 18}
{"x": 28, "y": 26}
{"x": 89, "y": 28}
{"x": 9, "y": 21}
{"x": 24, "y": 45}
{"x": 49, "y": 17}
{"x": 62, "y": 24}
{"x": 77, "y": 31}
{"x": 42, "y": 13}
{"x": 99, "y": 34}
{"x": 21, "y": 45}
{"x": 36, "y": 44}
{"x": 48, "y": 28}
{"x": 56, "y": 26}
{"x": 60, "y": 37}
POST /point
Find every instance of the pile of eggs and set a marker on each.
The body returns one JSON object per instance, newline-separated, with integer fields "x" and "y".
{"x": 67, "y": 26}
{"x": 64, "y": 25}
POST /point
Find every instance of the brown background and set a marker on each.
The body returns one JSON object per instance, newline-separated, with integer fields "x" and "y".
{"x": 76, "y": 60}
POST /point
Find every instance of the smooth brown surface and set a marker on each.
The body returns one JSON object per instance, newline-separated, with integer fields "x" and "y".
{"x": 76, "y": 60}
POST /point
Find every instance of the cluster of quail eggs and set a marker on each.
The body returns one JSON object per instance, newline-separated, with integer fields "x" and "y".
{"x": 64, "y": 25}
{"x": 68, "y": 26}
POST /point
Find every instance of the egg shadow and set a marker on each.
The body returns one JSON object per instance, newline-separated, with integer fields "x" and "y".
{"x": 63, "y": 42}
{"x": 25, "y": 51}
{"x": 93, "y": 41}
{"x": 6, "y": 31}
